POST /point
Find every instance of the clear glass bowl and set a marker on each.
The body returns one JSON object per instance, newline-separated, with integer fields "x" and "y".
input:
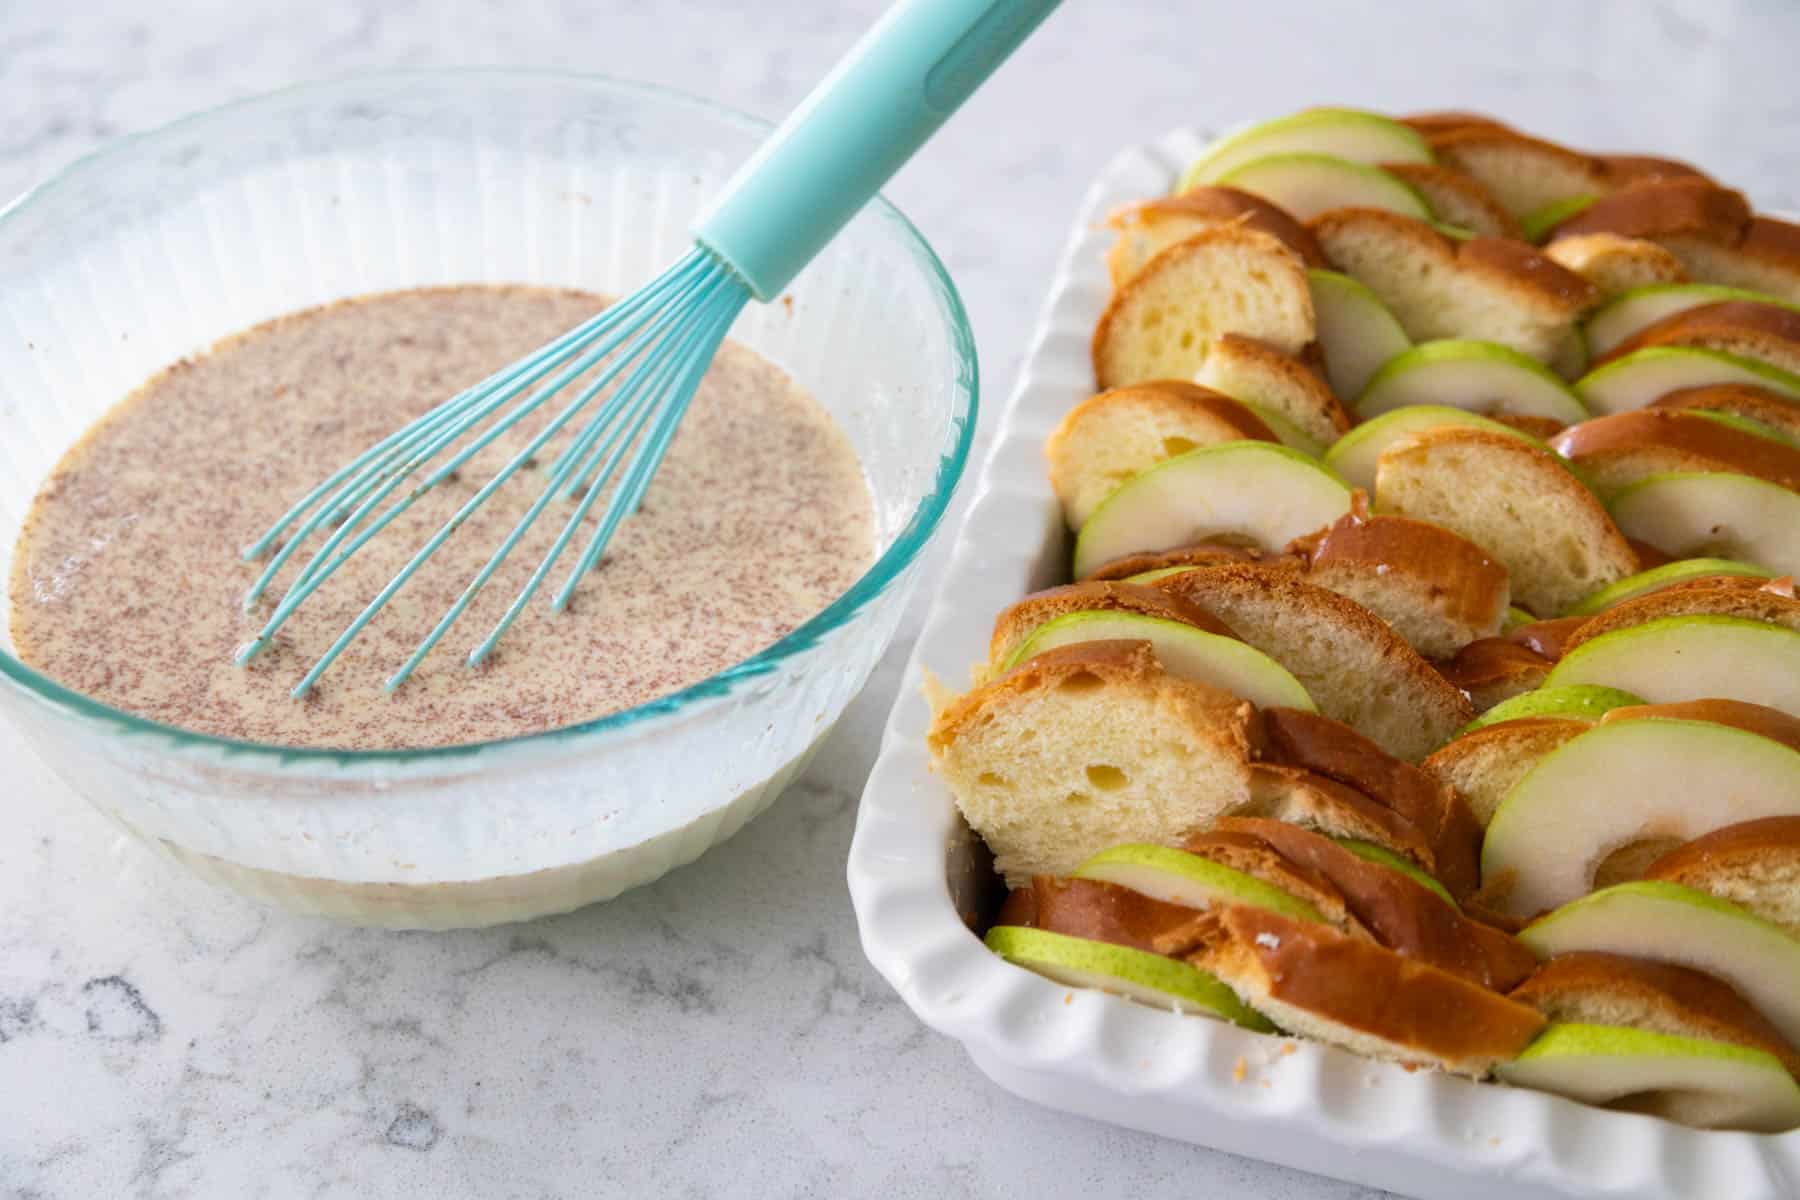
{"x": 160, "y": 245}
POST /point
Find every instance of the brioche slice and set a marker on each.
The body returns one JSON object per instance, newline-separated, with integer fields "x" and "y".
{"x": 1227, "y": 279}
{"x": 1627, "y": 170}
{"x": 1403, "y": 914}
{"x": 1616, "y": 451}
{"x": 1525, "y": 174}
{"x": 1690, "y": 208}
{"x": 1769, "y": 333}
{"x": 1354, "y": 666}
{"x": 1486, "y": 289}
{"x": 1754, "y": 865}
{"x": 1514, "y": 500}
{"x": 1325, "y": 806}
{"x": 1615, "y": 264}
{"x": 1256, "y": 373}
{"x": 1019, "y": 621}
{"x": 1255, "y": 857}
{"x": 1747, "y": 599}
{"x": 1325, "y": 747}
{"x": 1484, "y": 765}
{"x": 1592, "y": 987}
{"x": 1431, "y": 124}
{"x": 1105, "y": 912}
{"x": 1456, "y": 199}
{"x": 1765, "y": 258}
{"x": 1086, "y": 747}
{"x": 1313, "y": 981}
{"x": 1439, "y": 591}
{"x": 1739, "y": 400}
{"x": 1149, "y": 228}
{"x": 1493, "y": 669}
{"x": 1108, "y": 438}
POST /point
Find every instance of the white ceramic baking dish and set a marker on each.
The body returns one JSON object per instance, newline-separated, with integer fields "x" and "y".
{"x": 915, "y": 869}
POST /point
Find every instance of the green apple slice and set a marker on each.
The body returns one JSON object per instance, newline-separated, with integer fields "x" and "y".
{"x": 1667, "y": 575}
{"x": 1576, "y": 702}
{"x": 1702, "y": 657}
{"x": 1346, "y": 133}
{"x": 1643, "y": 376}
{"x": 1535, "y": 224}
{"x": 1157, "y": 573}
{"x": 1381, "y": 856}
{"x": 1355, "y": 328}
{"x": 1177, "y": 877}
{"x": 1183, "y": 650}
{"x": 1355, "y": 455}
{"x": 1306, "y": 185}
{"x": 1620, "y": 782}
{"x": 1150, "y": 979}
{"x": 1271, "y": 494}
{"x": 1288, "y": 433}
{"x": 1712, "y": 1085}
{"x": 1479, "y": 376}
{"x": 1744, "y": 424}
{"x": 1629, "y": 313}
{"x": 1711, "y": 513}
{"x": 1667, "y": 922}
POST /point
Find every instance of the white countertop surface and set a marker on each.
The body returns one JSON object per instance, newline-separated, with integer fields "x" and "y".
{"x": 718, "y": 1033}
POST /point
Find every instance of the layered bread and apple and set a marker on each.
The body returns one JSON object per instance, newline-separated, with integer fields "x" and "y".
{"x": 1427, "y": 680}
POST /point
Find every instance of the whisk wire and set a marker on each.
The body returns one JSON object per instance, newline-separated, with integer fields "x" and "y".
{"x": 635, "y": 399}
{"x": 700, "y": 283}
{"x": 388, "y": 463}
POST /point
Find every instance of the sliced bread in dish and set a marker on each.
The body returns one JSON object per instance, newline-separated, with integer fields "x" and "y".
{"x": 1254, "y": 856}
{"x": 1664, "y": 208}
{"x": 1226, "y": 279}
{"x": 1754, "y": 865}
{"x": 1312, "y": 980}
{"x": 1086, "y": 747}
{"x": 1492, "y": 669}
{"x": 1325, "y": 806}
{"x": 1483, "y": 765}
{"x": 1355, "y": 667}
{"x": 1616, "y": 264}
{"x": 1486, "y": 289}
{"x": 1515, "y": 500}
{"x": 1740, "y": 400}
{"x": 1592, "y": 987}
{"x": 1019, "y": 621}
{"x": 1108, "y": 438}
{"x": 1456, "y": 198}
{"x": 1769, "y": 333}
{"x": 1769, "y": 601}
{"x": 1402, "y": 913}
{"x": 1329, "y": 748}
{"x": 1256, "y": 373}
{"x": 1764, "y": 258}
{"x": 1148, "y": 228}
{"x": 1616, "y": 451}
{"x": 1525, "y": 174}
{"x": 1437, "y": 589}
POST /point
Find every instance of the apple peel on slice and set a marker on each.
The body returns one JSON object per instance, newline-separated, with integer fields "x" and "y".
{"x": 1483, "y": 376}
{"x": 1643, "y": 376}
{"x": 1631, "y": 312}
{"x": 1183, "y": 650}
{"x": 1355, "y": 329}
{"x": 1615, "y": 785}
{"x": 1178, "y": 877}
{"x": 1149, "y": 979}
{"x": 1696, "y": 1081}
{"x": 1271, "y": 494}
{"x": 1666, "y": 922}
{"x": 1354, "y": 456}
{"x": 1306, "y": 184}
{"x": 1576, "y": 702}
{"x": 1346, "y": 133}
{"x": 1656, "y": 578}
{"x": 1698, "y": 657}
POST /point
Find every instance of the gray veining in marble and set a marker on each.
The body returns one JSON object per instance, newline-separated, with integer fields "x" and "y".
{"x": 718, "y": 1033}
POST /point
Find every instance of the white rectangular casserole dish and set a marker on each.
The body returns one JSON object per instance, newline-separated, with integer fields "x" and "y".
{"x": 915, "y": 867}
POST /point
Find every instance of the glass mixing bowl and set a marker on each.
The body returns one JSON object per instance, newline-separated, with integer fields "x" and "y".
{"x": 155, "y": 248}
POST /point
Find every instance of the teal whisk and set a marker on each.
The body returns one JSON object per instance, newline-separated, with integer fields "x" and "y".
{"x": 876, "y": 108}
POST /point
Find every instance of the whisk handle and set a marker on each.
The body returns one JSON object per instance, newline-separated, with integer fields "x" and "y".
{"x": 849, "y": 136}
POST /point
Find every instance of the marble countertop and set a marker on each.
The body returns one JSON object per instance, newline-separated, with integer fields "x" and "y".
{"x": 719, "y": 1032}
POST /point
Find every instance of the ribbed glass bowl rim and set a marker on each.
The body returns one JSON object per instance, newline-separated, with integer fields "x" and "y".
{"x": 885, "y": 571}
